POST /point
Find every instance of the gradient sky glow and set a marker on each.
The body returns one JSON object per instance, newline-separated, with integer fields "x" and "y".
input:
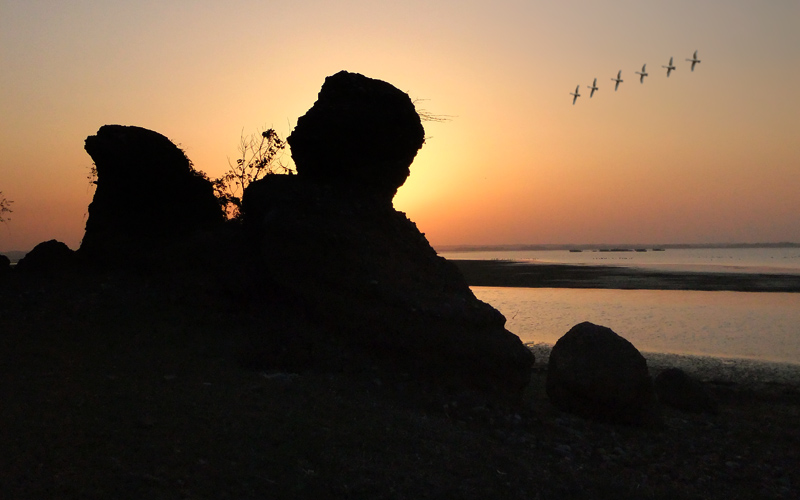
{"x": 708, "y": 156}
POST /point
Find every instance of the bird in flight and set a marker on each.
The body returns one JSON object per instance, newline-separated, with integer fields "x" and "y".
{"x": 694, "y": 60}
{"x": 670, "y": 67}
{"x": 618, "y": 79}
{"x": 642, "y": 73}
{"x": 576, "y": 94}
{"x": 593, "y": 87}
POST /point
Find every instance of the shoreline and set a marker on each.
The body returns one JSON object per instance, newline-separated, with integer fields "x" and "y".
{"x": 746, "y": 373}
{"x": 509, "y": 273}
{"x": 750, "y": 373}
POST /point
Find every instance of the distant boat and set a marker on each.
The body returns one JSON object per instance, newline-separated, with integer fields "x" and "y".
{"x": 658, "y": 249}
{"x": 642, "y": 73}
{"x": 670, "y": 67}
{"x": 641, "y": 249}
{"x": 618, "y": 79}
{"x": 694, "y": 60}
{"x": 575, "y": 250}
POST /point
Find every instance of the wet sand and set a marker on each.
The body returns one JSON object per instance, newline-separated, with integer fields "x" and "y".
{"x": 532, "y": 275}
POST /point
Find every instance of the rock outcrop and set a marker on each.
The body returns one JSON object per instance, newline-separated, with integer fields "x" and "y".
{"x": 677, "y": 389}
{"x": 361, "y": 134}
{"x": 596, "y": 374}
{"x": 5, "y": 265}
{"x": 48, "y": 257}
{"x": 148, "y": 195}
{"x": 380, "y": 294}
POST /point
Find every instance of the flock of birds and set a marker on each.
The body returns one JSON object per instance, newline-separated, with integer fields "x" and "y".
{"x": 670, "y": 68}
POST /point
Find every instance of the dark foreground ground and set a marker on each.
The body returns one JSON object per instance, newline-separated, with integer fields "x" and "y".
{"x": 115, "y": 389}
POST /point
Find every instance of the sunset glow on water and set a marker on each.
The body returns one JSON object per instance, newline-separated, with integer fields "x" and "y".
{"x": 763, "y": 326}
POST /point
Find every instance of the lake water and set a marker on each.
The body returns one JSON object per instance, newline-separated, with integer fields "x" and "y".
{"x": 760, "y": 326}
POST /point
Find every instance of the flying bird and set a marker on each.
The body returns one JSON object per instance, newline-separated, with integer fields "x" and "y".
{"x": 670, "y": 67}
{"x": 694, "y": 60}
{"x": 618, "y": 79}
{"x": 593, "y": 87}
{"x": 576, "y": 94}
{"x": 643, "y": 73}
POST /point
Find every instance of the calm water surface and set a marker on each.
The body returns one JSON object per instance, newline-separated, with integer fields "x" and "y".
{"x": 763, "y": 326}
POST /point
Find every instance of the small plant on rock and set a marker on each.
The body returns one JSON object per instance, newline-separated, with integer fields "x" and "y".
{"x": 259, "y": 155}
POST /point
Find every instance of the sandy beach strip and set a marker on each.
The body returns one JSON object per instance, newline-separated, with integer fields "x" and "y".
{"x": 506, "y": 273}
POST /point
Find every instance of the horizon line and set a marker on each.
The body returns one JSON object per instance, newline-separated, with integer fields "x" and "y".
{"x": 591, "y": 246}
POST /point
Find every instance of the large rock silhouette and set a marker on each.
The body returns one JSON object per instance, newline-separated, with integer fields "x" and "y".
{"x": 361, "y": 133}
{"x": 597, "y": 374}
{"x": 49, "y": 257}
{"x": 379, "y": 292}
{"x": 148, "y": 195}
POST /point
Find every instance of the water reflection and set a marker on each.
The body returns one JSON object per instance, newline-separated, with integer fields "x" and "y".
{"x": 763, "y": 326}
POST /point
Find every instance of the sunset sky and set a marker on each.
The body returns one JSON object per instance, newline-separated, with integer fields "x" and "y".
{"x": 709, "y": 156}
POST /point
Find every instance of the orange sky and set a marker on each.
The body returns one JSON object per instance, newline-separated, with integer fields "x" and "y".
{"x": 700, "y": 157}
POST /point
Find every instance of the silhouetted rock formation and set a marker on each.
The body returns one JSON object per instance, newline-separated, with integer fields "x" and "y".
{"x": 677, "y": 389}
{"x": 48, "y": 257}
{"x": 361, "y": 133}
{"x": 379, "y": 292}
{"x": 5, "y": 265}
{"x": 595, "y": 373}
{"x": 147, "y": 195}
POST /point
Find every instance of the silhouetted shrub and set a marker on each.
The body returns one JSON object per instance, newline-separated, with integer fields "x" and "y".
{"x": 259, "y": 155}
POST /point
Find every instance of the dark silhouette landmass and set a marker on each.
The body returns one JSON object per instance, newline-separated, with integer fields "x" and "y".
{"x": 359, "y": 282}
{"x": 330, "y": 236}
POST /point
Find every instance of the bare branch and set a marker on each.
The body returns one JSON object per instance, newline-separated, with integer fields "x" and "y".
{"x": 5, "y": 208}
{"x": 259, "y": 155}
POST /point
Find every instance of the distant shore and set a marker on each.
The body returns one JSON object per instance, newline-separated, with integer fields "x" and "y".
{"x": 506, "y": 273}
{"x": 609, "y": 247}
